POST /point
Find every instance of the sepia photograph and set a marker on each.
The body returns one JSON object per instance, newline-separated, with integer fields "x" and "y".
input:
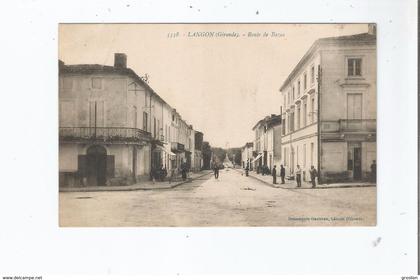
{"x": 217, "y": 125}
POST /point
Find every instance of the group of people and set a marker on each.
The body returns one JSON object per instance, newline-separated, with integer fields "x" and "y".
{"x": 313, "y": 174}
{"x": 160, "y": 173}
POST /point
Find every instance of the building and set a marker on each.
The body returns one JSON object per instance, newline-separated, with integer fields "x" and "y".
{"x": 328, "y": 108}
{"x": 114, "y": 129}
{"x": 247, "y": 155}
{"x": 273, "y": 134}
{"x": 267, "y": 143}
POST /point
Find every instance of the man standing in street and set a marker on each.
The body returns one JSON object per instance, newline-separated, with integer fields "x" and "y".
{"x": 216, "y": 170}
{"x": 313, "y": 174}
{"x": 373, "y": 171}
{"x": 274, "y": 173}
{"x": 298, "y": 176}
{"x": 282, "y": 173}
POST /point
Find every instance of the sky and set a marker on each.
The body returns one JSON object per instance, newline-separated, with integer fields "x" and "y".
{"x": 220, "y": 85}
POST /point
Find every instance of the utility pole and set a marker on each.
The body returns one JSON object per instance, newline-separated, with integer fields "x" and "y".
{"x": 319, "y": 123}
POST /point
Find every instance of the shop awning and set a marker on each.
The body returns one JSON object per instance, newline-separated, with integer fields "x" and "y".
{"x": 257, "y": 158}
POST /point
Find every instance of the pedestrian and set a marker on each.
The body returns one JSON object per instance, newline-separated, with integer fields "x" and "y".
{"x": 298, "y": 176}
{"x": 313, "y": 174}
{"x": 216, "y": 170}
{"x": 274, "y": 173}
{"x": 184, "y": 171}
{"x": 373, "y": 170}
{"x": 282, "y": 173}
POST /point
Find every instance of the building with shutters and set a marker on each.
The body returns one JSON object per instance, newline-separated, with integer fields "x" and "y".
{"x": 247, "y": 155}
{"x": 328, "y": 108}
{"x": 267, "y": 143}
{"x": 114, "y": 129}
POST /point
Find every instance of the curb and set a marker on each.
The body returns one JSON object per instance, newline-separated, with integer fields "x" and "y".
{"x": 317, "y": 187}
{"x": 128, "y": 188}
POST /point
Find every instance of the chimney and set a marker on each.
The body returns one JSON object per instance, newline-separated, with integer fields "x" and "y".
{"x": 372, "y": 28}
{"x": 120, "y": 60}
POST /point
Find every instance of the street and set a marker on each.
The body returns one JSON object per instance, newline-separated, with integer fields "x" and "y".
{"x": 231, "y": 200}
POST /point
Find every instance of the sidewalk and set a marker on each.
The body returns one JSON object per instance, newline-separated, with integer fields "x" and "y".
{"x": 147, "y": 185}
{"x": 291, "y": 184}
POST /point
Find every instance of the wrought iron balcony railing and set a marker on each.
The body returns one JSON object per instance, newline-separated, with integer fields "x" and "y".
{"x": 349, "y": 125}
{"x": 106, "y": 134}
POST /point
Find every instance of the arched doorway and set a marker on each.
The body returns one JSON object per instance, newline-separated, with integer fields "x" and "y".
{"x": 96, "y": 166}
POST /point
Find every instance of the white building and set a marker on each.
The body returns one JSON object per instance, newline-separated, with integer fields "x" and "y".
{"x": 328, "y": 108}
{"x": 247, "y": 155}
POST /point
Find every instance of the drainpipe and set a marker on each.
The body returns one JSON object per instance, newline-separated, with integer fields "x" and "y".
{"x": 319, "y": 123}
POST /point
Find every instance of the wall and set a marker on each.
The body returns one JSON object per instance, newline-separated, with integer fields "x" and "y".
{"x": 336, "y": 83}
{"x": 76, "y": 91}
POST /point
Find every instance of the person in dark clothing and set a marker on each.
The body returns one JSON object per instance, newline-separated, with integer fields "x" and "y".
{"x": 282, "y": 173}
{"x": 313, "y": 174}
{"x": 216, "y": 170}
{"x": 274, "y": 173}
{"x": 184, "y": 171}
{"x": 373, "y": 171}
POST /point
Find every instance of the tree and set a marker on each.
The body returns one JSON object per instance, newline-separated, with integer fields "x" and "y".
{"x": 206, "y": 152}
{"x": 235, "y": 155}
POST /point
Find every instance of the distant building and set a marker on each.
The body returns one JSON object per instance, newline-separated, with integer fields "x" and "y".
{"x": 247, "y": 155}
{"x": 267, "y": 143}
{"x": 334, "y": 83}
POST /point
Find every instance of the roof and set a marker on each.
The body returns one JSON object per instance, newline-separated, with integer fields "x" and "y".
{"x": 89, "y": 69}
{"x": 362, "y": 38}
{"x": 268, "y": 120}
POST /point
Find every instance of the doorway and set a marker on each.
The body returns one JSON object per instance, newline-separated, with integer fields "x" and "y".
{"x": 354, "y": 162}
{"x": 96, "y": 166}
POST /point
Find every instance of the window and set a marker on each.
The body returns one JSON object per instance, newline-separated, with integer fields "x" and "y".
{"x": 293, "y": 93}
{"x": 304, "y": 155}
{"x": 354, "y": 106}
{"x": 312, "y": 109}
{"x": 292, "y": 121}
{"x": 154, "y": 127}
{"x": 312, "y": 154}
{"x": 145, "y": 121}
{"x": 298, "y": 88}
{"x": 354, "y": 67}
{"x": 304, "y": 114}
{"x": 134, "y": 116}
{"x": 283, "y": 126}
{"x": 285, "y": 156}
{"x": 96, "y": 83}
{"x": 288, "y": 98}
{"x": 304, "y": 81}
{"x": 312, "y": 75}
{"x": 96, "y": 113}
{"x": 298, "y": 118}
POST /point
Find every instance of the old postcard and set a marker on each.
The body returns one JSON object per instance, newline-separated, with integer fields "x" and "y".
{"x": 217, "y": 125}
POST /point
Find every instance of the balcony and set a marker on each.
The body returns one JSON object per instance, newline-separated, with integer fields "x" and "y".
{"x": 345, "y": 125}
{"x": 103, "y": 134}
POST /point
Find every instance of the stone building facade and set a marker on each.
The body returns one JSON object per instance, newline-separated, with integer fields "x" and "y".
{"x": 328, "y": 107}
{"x": 113, "y": 127}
